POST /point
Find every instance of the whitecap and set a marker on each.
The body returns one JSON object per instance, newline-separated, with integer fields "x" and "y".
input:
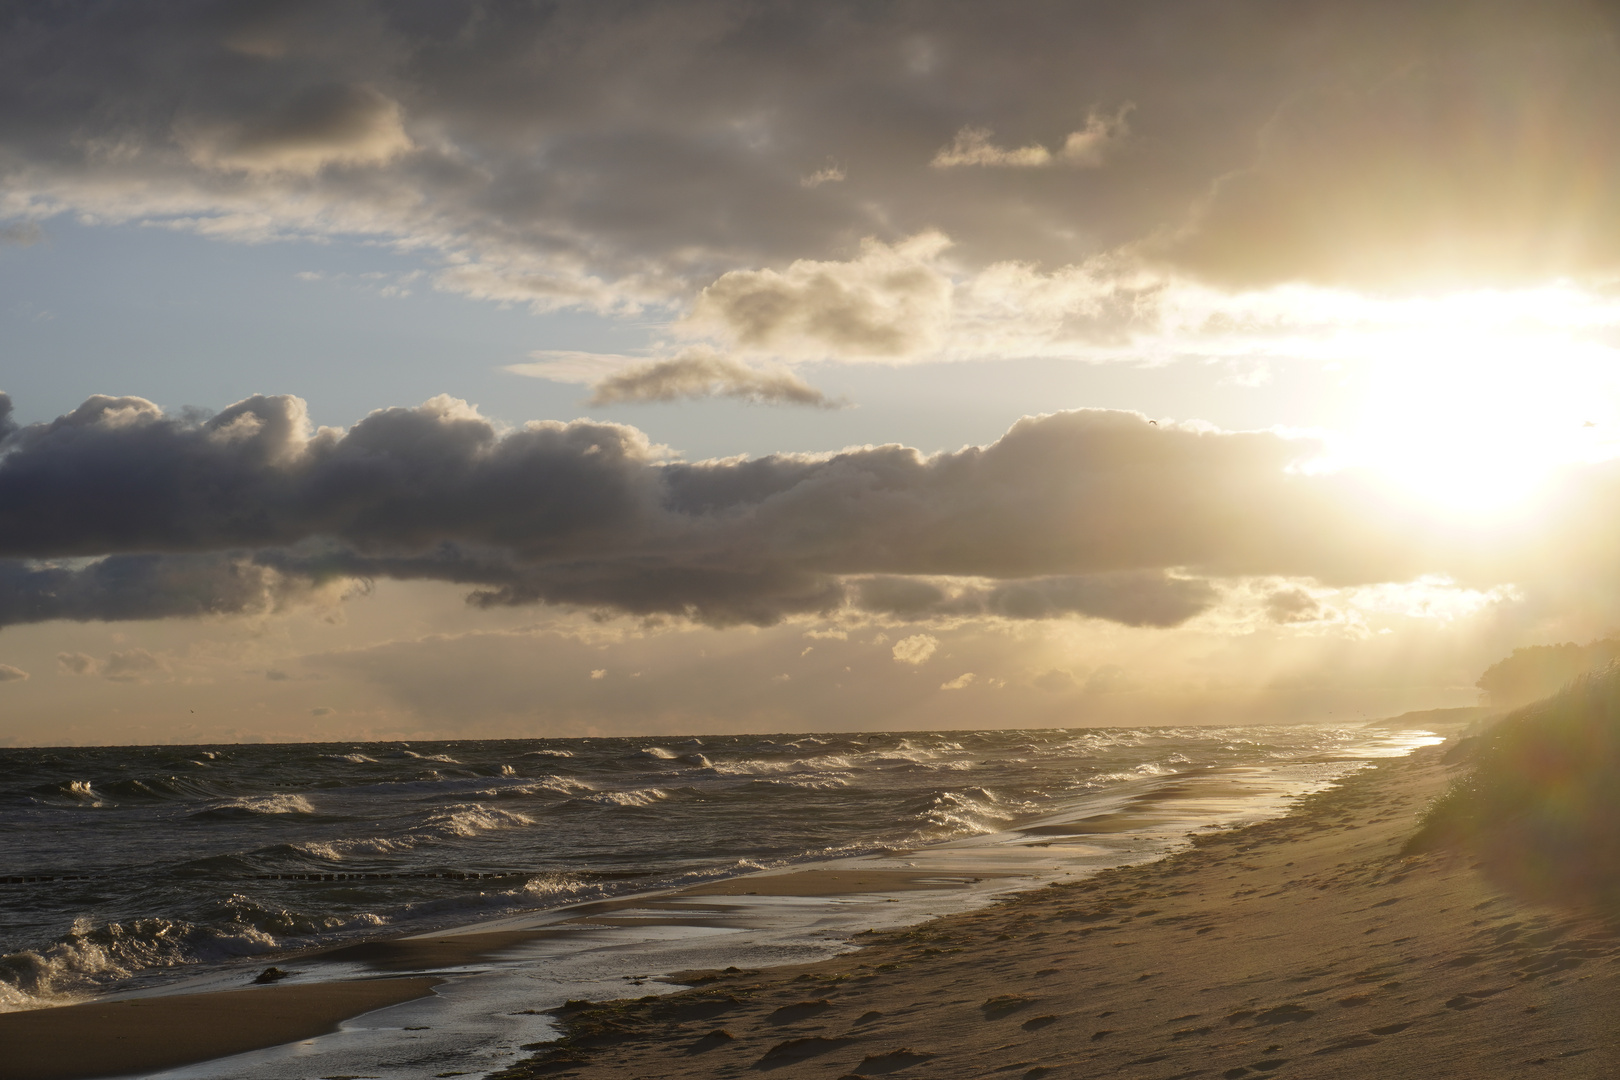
{"x": 262, "y": 804}
{"x": 562, "y": 785}
{"x": 338, "y": 850}
{"x": 444, "y": 758}
{"x": 470, "y": 819}
{"x": 638, "y": 797}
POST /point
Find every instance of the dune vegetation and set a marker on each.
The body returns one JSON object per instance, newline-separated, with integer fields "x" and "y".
{"x": 1540, "y": 800}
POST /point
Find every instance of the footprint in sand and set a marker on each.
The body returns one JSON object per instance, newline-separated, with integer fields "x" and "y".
{"x": 1346, "y": 1044}
{"x": 799, "y": 1010}
{"x": 1285, "y": 1014}
{"x": 893, "y": 1061}
{"x": 786, "y": 1053}
{"x": 717, "y": 1037}
{"x": 997, "y": 1007}
{"x": 1472, "y": 999}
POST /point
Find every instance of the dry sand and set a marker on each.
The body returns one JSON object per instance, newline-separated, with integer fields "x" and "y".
{"x": 112, "y": 1038}
{"x": 1303, "y": 947}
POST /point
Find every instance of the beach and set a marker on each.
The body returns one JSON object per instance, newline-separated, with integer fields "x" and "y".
{"x": 1305, "y": 946}
{"x": 476, "y": 998}
{"x": 509, "y": 877}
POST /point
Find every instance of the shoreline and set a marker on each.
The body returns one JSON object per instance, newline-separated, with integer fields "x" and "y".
{"x": 1307, "y": 945}
{"x": 953, "y": 880}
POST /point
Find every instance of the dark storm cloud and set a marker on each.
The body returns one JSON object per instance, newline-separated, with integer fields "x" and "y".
{"x": 612, "y": 153}
{"x": 125, "y": 587}
{"x": 1079, "y": 513}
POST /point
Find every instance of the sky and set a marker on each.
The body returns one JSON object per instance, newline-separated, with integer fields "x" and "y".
{"x": 479, "y": 369}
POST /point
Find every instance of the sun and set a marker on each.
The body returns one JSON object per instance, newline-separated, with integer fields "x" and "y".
{"x": 1476, "y": 401}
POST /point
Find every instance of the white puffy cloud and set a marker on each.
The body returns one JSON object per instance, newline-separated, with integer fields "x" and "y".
{"x": 916, "y": 649}
{"x": 892, "y": 303}
{"x": 12, "y": 674}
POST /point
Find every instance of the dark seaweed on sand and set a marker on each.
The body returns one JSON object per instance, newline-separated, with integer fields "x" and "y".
{"x": 1540, "y": 803}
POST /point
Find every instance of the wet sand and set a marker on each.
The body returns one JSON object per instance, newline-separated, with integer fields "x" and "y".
{"x": 112, "y": 1038}
{"x": 1307, "y": 946}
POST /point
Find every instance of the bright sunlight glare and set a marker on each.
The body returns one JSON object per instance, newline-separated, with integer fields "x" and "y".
{"x": 1475, "y": 408}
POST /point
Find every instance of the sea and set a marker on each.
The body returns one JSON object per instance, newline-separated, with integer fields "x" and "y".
{"x": 135, "y": 870}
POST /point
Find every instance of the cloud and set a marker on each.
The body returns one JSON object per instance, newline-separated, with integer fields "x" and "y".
{"x": 120, "y": 511}
{"x": 892, "y": 303}
{"x": 830, "y": 174}
{"x": 961, "y": 682}
{"x": 76, "y": 663}
{"x": 133, "y": 666}
{"x": 1292, "y": 606}
{"x": 1131, "y": 598}
{"x": 972, "y": 146}
{"x": 12, "y": 674}
{"x": 326, "y": 125}
{"x": 123, "y": 587}
{"x": 617, "y": 156}
{"x": 915, "y": 649}
{"x": 700, "y": 372}
{"x": 1085, "y": 148}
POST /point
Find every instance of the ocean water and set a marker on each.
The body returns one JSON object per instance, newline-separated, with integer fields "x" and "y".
{"x": 130, "y": 868}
